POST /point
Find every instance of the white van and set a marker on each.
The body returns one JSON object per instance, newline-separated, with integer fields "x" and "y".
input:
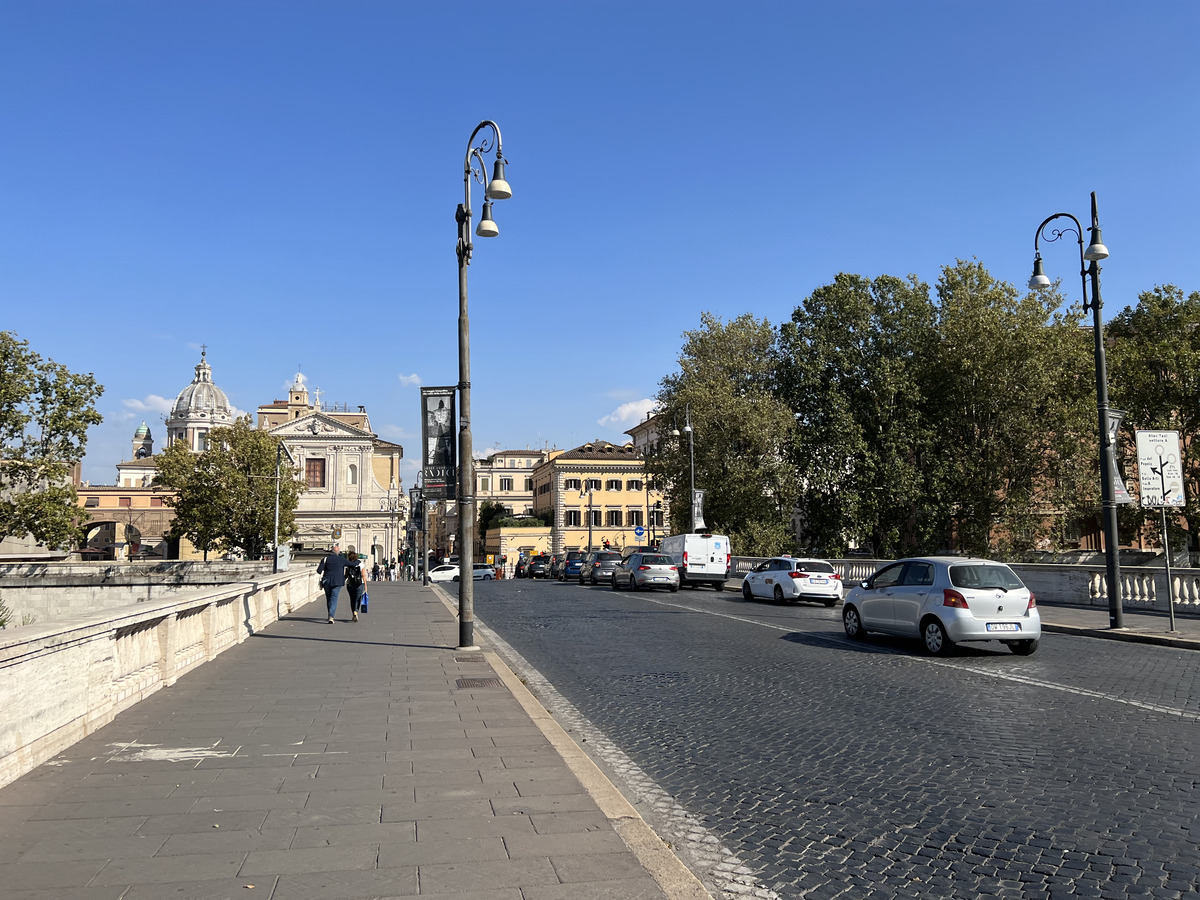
{"x": 700, "y": 558}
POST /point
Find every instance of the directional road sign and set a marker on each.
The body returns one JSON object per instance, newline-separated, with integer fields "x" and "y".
{"x": 1160, "y": 471}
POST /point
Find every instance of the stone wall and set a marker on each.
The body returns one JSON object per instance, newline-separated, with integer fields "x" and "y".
{"x": 61, "y": 681}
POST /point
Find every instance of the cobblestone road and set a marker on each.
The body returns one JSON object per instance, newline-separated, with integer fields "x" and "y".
{"x": 835, "y": 769}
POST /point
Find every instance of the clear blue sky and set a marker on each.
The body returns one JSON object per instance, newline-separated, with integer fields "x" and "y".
{"x": 278, "y": 180}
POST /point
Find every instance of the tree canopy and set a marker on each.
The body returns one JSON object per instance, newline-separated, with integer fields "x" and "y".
{"x": 224, "y": 497}
{"x": 45, "y": 413}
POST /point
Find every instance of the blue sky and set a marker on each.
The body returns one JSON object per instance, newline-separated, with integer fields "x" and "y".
{"x": 277, "y": 180}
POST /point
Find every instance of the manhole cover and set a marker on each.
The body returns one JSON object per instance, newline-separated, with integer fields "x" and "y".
{"x": 479, "y": 682}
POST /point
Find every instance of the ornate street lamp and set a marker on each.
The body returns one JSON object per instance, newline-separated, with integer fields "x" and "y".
{"x": 1089, "y": 268}
{"x": 495, "y": 188}
{"x": 687, "y": 426}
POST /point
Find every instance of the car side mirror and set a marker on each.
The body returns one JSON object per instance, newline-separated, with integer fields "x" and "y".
{"x": 865, "y": 584}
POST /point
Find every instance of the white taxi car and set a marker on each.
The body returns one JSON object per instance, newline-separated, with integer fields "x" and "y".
{"x": 785, "y": 578}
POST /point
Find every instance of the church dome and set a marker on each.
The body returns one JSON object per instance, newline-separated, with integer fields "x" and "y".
{"x": 202, "y": 398}
{"x": 142, "y": 432}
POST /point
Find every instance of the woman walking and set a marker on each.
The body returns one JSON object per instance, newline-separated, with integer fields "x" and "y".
{"x": 355, "y": 583}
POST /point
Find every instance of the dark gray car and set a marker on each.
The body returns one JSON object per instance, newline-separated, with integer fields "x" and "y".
{"x": 598, "y": 566}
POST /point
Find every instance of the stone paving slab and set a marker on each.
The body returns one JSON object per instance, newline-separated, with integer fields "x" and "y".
{"x": 332, "y": 762}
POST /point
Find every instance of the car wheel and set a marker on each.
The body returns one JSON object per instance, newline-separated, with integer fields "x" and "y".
{"x": 832, "y": 601}
{"x": 853, "y": 624}
{"x": 1023, "y": 648}
{"x": 455, "y": 578}
{"x": 674, "y": 589}
{"x": 633, "y": 585}
{"x": 613, "y": 583}
{"x": 593, "y": 579}
{"x": 933, "y": 634}
{"x": 746, "y": 592}
{"x": 779, "y": 595}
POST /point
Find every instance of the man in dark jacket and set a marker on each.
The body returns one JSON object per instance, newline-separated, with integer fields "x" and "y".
{"x": 332, "y": 569}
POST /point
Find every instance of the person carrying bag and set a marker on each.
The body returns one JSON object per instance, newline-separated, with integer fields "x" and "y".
{"x": 355, "y": 583}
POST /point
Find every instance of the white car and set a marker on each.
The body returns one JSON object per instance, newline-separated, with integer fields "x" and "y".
{"x": 483, "y": 572}
{"x": 443, "y": 573}
{"x": 785, "y": 579}
{"x": 944, "y": 600}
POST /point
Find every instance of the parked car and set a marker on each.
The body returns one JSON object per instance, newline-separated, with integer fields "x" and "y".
{"x": 701, "y": 558}
{"x": 539, "y": 567}
{"x": 483, "y": 572}
{"x": 784, "y": 579}
{"x": 598, "y": 566}
{"x": 944, "y": 600}
{"x": 572, "y": 562}
{"x": 646, "y": 571}
{"x": 443, "y": 573}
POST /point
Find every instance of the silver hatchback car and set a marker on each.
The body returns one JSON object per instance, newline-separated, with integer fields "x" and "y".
{"x": 944, "y": 600}
{"x": 645, "y": 571}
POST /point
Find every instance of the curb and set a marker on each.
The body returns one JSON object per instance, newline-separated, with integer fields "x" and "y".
{"x": 676, "y": 880}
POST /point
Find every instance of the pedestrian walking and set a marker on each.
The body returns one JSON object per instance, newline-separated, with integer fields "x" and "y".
{"x": 355, "y": 583}
{"x": 375, "y": 572}
{"x": 332, "y": 569}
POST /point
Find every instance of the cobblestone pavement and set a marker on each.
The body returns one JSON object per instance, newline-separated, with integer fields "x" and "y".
{"x": 815, "y": 767}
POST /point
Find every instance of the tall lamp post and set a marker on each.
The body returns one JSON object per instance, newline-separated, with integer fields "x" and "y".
{"x": 392, "y": 506}
{"x": 495, "y": 188}
{"x": 280, "y": 450}
{"x": 1089, "y": 269}
{"x": 687, "y": 426}
{"x": 590, "y": 492}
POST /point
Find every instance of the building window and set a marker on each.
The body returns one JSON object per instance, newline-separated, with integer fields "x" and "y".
{"x": 634, "y": 518}
{"x": 485, "y": 484}
{"x": 156, "y": 502}
{"x": 592, "y": 484}
{"x": 352, "y": 475}
{"x": 594, "y": 516}
{"x": 614, "y": 484}
{"x": 314, "y": 472}
{"x": 529, "y": 484}
{"x": 506, "y": 484}
{"x": 656, "y": 518}
{"x": 573, "y": 519}
{"x": 572, "y": 484}
{"x": 125, "y": 501}
{"x": 92, "y": 501}
{"x": 633, "y": 484}
{"x": 614, "y": 518}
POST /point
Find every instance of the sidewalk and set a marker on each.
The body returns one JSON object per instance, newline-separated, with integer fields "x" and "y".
{"x": 330, "y": 762}
{"x": 1140, "y": 627}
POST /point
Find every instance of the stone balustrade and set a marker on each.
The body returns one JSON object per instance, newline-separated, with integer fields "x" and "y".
{"x": 62, "y": 680}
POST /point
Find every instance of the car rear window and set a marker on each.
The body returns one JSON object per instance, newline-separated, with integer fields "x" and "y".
{"x": 606, "y": 556}
{"x": 814, "y": 567}
{"x": 656, "y": 561}
{"x": 977, "y": 575}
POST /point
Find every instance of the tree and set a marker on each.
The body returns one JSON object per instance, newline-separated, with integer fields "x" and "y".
{"x": 1007, "y": 399}
{"x": 1154, "y": 369}
{"x": 45, "y": 412}
{"x": 742, "y": 435}
{"x": 852, "y": 372}
{"x": 225, "y": 495}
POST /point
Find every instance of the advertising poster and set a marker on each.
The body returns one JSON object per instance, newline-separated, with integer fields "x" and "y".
{"x": 438, "y": 443}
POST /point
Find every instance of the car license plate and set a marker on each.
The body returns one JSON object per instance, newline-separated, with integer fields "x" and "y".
{"x": 818, "y": 581}
{"x": 660, "y": 577}
{"x": 1003, "y": 626}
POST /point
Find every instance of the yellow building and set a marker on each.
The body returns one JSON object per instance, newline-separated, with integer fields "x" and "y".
{"x": 598, "y": 495}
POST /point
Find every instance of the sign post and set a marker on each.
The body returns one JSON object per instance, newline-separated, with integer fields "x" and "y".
{"x": 1160, "y": 478}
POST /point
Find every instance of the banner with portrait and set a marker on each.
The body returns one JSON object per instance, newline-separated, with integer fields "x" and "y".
{"x": 438, "y": 442}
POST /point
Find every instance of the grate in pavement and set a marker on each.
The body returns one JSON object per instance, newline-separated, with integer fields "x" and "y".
{"x": 479, "y": 682}
{"x": 478, "y": 658}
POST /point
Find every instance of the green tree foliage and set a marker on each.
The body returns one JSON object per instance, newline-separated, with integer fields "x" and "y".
{"x": 742, "y": 435}
{"x": 225, "y": 496}
{"x": 852, "y": 371}
{"x": 1154, "y": 376}
{"x": 45, "y": 412}
{"x": 1007, "y": 386}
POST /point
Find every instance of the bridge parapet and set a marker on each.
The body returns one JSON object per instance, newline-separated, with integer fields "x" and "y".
{"x": 61, "y": 681}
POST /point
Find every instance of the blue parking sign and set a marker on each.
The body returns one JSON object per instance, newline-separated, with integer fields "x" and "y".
{"x": 639, "y": 531}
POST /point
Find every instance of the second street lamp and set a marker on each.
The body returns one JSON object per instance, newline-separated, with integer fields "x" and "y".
{"x": 1089, "y": 269}
{"x": 495, "y": 188}
{"x": 687, "y": 426}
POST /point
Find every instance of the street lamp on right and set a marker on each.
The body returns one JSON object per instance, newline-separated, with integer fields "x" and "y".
{"x": 1089, "y": 269}
{"x": 687, "y": 427}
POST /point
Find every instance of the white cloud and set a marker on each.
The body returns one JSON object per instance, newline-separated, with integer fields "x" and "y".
{"x": 627, "y": 414}
{"x": 412, "y": 380}
{"x": 152, "y": 404}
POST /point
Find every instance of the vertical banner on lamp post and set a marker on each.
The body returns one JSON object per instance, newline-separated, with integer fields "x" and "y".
{"x": 438, "y": 443}
{"x": 698, "y": 510}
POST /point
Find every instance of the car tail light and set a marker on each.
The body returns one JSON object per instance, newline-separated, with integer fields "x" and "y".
{"x": 728, "y": 561}
{"x": 674, "y": 569}
{"x": 1032, "y": 602}
{"x": 685, "y": 559}
{"x": 953, "y": 598}
{"x": 798, "y": 574}
{"x": 643, "y": 568}
{"x": 836, "y": 575}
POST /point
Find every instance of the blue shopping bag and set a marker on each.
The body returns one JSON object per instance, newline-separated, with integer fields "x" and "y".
{"x": 362, "y": 607}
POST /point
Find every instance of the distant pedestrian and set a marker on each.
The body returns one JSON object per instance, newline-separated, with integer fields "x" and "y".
{"x": 375, "y": 572}
{"x": 355, "y": 585}
{"x": 332, "y": 568}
